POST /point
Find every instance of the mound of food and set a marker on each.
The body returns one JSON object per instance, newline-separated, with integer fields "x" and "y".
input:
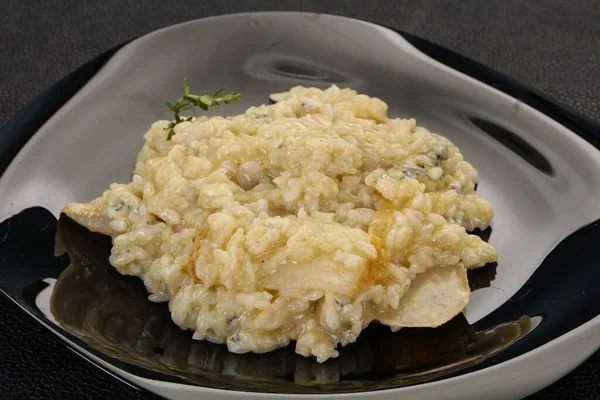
{"x": 304, "y": 220}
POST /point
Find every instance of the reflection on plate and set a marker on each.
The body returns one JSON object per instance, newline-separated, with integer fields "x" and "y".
{"x": 112, "y": 314}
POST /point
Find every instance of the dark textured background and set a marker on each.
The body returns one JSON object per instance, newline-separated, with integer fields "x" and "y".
{"x": 552, "y": 45}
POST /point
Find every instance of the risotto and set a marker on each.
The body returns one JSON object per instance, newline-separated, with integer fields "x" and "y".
{"x": 302, "y": 221}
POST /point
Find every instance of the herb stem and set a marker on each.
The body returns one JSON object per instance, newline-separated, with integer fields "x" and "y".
{"x": 189, "y": 101}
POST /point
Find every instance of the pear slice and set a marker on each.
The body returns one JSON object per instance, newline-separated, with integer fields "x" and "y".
{"x": 434, "y": 298}
{"x": 86, "y": 215}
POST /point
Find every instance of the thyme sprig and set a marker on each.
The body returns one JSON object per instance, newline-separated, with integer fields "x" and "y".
{"x": 189, "y": 101}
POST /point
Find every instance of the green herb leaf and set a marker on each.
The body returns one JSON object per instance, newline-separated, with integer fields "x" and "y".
{"x": 189, "y": 101}
{"x": 169, "y": 105}
{"x": 186, "y": 88}
{"x": 206, "y": 99}
{"x": 170, "y": 135}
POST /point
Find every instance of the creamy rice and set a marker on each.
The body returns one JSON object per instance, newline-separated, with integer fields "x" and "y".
{"x": 303, "y": 220}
